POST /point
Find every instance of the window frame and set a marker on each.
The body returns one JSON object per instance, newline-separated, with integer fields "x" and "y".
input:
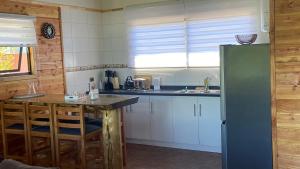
{"x": 31, "y": 74}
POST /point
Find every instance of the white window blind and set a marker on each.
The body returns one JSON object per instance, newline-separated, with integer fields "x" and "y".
{"x": 212, "y": 23}
{"x": 17, "y": 30}
{"x": 187, "y": 33}
{"x": 160, "y": 45}
{"x": 157, "y": 35}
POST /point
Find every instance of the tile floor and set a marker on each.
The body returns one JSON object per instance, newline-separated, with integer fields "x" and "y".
{"x": 149, "y": 157}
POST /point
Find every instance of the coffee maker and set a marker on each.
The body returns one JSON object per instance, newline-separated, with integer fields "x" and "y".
{"x": 108, "y": 85}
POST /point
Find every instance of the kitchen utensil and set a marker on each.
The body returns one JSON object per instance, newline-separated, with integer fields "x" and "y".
{"x": 246, "y": 39}
{"x": 148, "y": 79}
{"x": 139, "y": 83}
{"x": 129, "y": 84}
{"x": 115, "y": 81}
{"x": 108, "y": 85}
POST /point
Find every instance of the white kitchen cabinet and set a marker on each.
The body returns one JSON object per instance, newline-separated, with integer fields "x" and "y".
{"x": 175, "y": 121}
{"x": 197, "y": 122}
{"x": 161, "y": 110}
{"x": 185, "y": 120}
{"x": 138, "y": 119}
{"x": 209, "y": 121}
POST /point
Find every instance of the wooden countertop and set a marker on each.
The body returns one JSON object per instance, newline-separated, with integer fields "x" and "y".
{"x": 105, "y": 102}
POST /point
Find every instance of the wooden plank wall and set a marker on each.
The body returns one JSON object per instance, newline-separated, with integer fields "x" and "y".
{"x": 48, "y": 54}
{"x": 285, "y": 39}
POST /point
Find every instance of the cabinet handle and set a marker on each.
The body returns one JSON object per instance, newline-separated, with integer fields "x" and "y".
{"x": 200, "y": 110}
{"x": 195, "y": 110}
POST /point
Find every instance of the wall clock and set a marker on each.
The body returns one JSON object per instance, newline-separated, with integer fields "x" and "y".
{"x": 48, "y": 30}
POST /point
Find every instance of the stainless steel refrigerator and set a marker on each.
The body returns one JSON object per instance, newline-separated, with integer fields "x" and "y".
{"x": 246, "y": 107}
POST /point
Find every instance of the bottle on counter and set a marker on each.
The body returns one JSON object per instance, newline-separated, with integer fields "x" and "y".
{"x": 115, "y": 81}
{"x": 93, "y": 90}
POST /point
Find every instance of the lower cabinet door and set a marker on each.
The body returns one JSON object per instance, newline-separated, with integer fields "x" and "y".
{"x": 209, "y": 121}
{"x": 185, "y": 120}
{"x": 138, "y": 117}
{"x": 161, "y": 118}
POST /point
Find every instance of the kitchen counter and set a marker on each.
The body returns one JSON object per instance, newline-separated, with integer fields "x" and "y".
{"x": 106, "y": 102}
{"x": 212, "y": 93}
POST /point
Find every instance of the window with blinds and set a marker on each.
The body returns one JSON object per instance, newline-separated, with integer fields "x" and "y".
{"x": 17, "y": 30}
{"x": 161, "y": 45}
{"x": 17, "y": 39}
{"x": 205, "y": 37}
{"x": 188, "y": 33}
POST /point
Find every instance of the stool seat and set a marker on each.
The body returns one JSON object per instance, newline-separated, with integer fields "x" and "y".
{"x": 96, "y": 122}
{"x": 45, "y": 129}
{"x": 16, "y": 126}
{"x": 91, "y": 121}
{"x": 88, "y": 129}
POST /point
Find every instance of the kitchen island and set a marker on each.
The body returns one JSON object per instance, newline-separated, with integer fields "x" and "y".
{"x": 111, "y": 108}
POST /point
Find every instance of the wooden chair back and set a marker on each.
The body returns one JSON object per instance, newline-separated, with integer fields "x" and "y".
{"x": 13, "y": 120}
{"x": 68, "y": 117}
{"x": 40, "y": 124}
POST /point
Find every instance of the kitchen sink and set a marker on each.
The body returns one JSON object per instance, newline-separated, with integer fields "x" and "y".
{"x": 197, "y": 91}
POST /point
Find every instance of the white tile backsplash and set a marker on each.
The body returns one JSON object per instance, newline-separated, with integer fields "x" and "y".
{"x": 177, "y": 77}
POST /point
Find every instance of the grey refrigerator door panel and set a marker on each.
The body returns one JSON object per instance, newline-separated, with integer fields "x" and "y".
{"x": 246, "y": 106}
{"x": 224, "y": 151}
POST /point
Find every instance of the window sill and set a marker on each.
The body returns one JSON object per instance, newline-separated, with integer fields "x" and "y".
{"x": 17, "y": 78}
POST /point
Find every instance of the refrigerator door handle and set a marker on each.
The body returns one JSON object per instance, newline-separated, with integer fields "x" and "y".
{"x": 200, "y": 110}
{"x": 224, "y": 122}
{"x": 195, "y": 110}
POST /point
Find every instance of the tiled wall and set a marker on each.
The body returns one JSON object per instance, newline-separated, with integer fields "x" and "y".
{"x": 83, "y": 45}
{"x": 180, "y": 77}
{"x": 114, "y": 38}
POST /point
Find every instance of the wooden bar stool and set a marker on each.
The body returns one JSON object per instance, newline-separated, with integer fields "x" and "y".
{"x": 70, "y": 125}
{"x": 41, "y": 135}
{"x": 14, "y": 129}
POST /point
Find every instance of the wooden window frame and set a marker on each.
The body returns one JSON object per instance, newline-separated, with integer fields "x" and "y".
{"x": 31, "y": 75}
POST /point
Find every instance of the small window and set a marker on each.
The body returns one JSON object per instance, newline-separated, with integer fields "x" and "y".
{"x": 15, "y": 61}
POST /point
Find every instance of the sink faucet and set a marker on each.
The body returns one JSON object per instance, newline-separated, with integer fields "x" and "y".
{"x": 206, "y": 85}
{"x": 186, "y": 89}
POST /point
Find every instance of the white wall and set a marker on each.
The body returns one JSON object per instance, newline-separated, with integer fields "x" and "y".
{"x": 80, "y": 3}
{"x": 92, "y": 38}
{"x": 114, "y": 38}
{"x": 115, "y": 50}
{"x": 109, "y": 4}
{"x": 83, "y": 46}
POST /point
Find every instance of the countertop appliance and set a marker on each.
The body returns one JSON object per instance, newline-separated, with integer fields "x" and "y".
{"x": 129, "y": 83}
{"x": 139, "y": 83}
{"x": 246, "y": 107}
{"x": 108, "y": 85}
